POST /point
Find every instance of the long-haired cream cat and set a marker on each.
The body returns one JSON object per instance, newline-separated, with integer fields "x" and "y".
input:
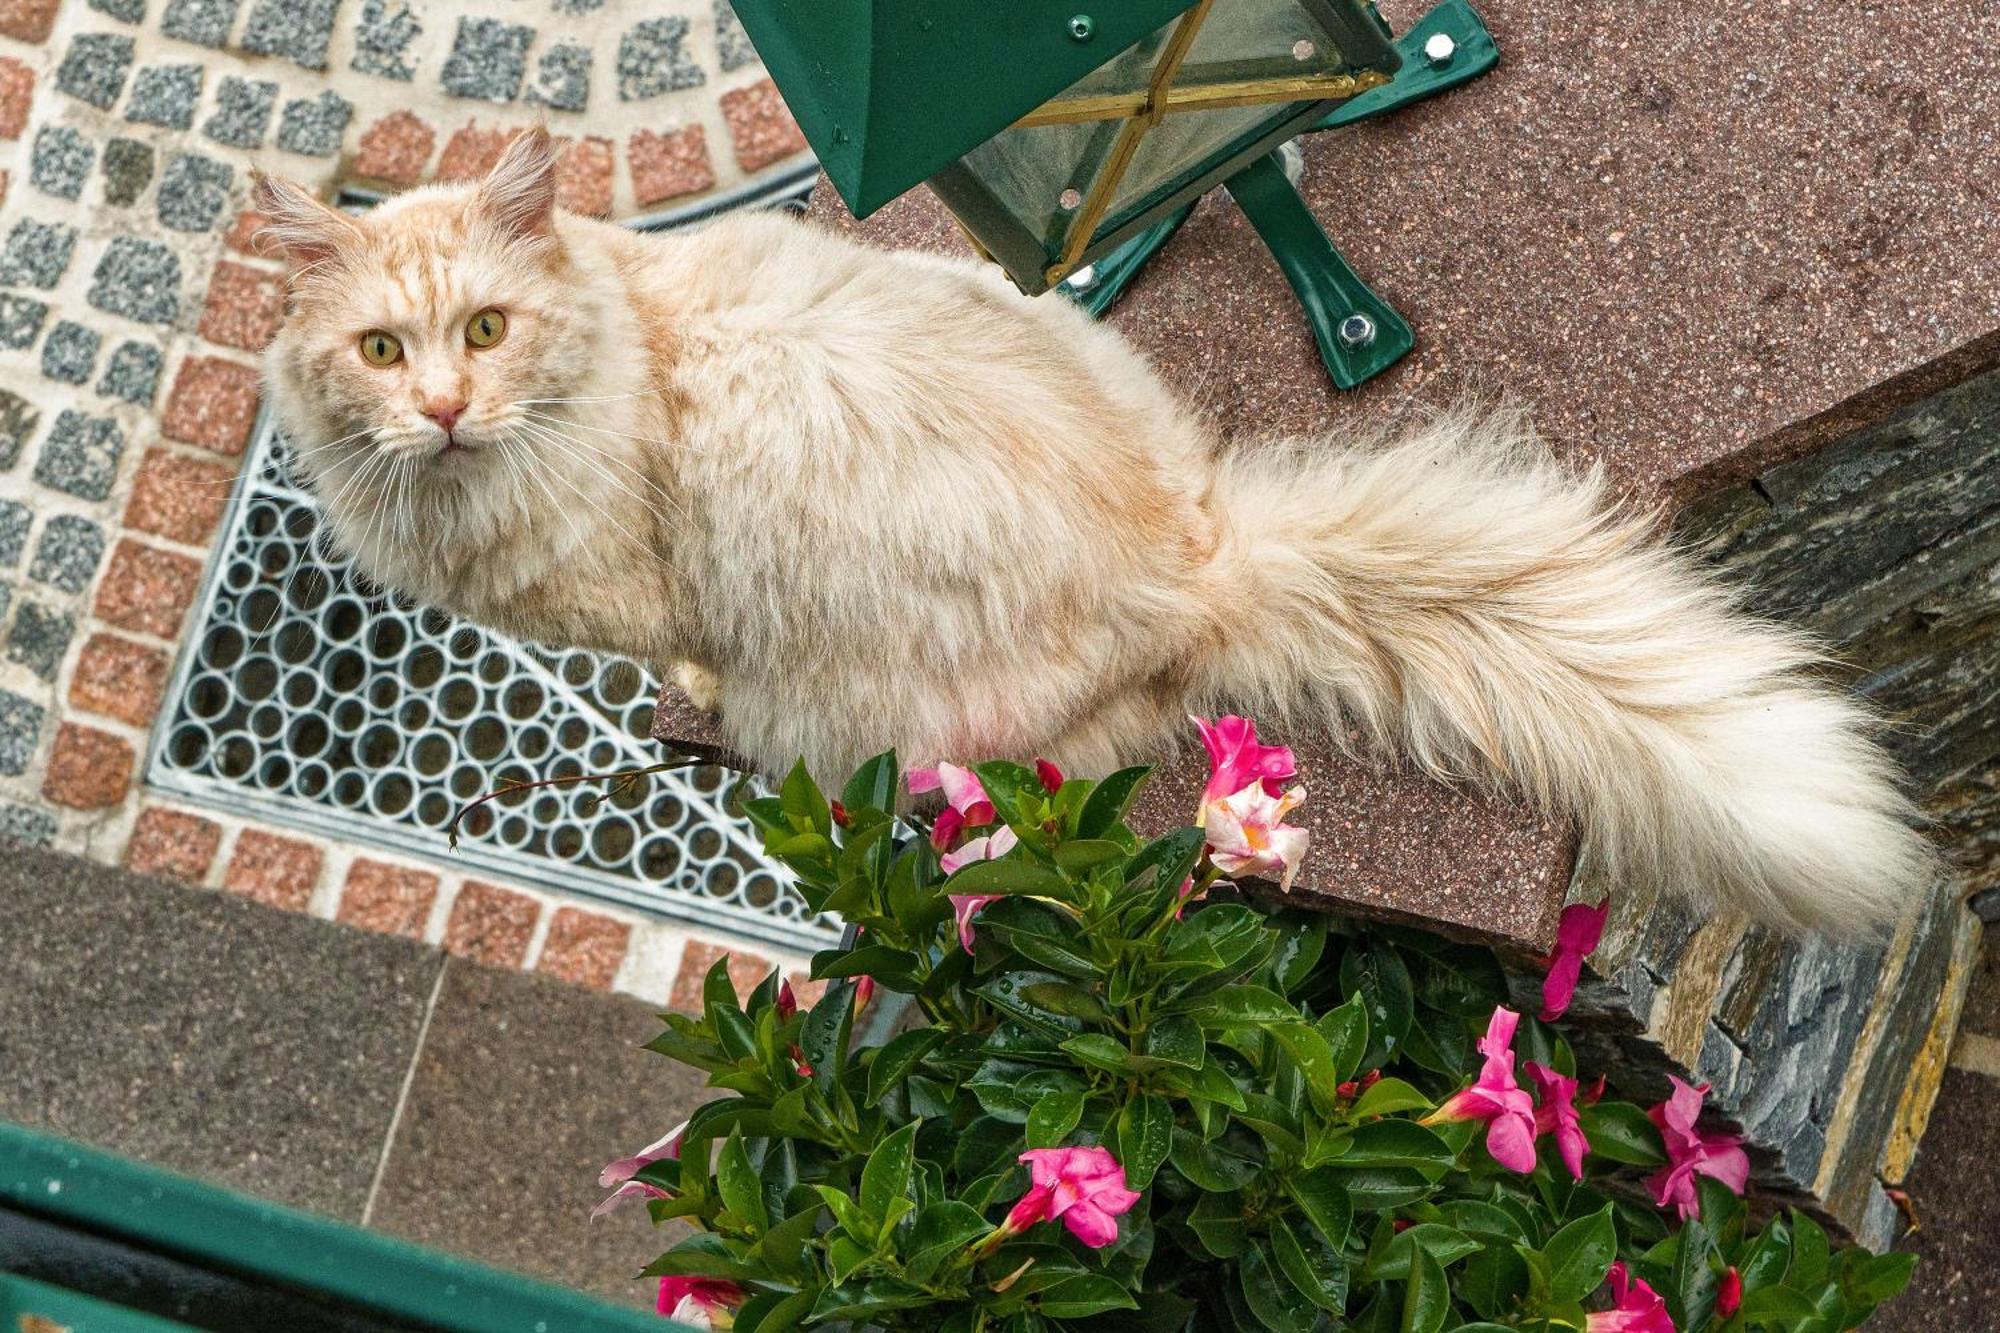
{"x": 882, "y": 499}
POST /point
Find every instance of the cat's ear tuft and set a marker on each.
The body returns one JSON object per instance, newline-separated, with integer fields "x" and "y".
{"x": 297, "y": 225}
{"x": 519, "y": 194}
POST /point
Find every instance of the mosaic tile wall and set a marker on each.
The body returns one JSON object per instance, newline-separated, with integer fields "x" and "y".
{"x": 132, "y": 307}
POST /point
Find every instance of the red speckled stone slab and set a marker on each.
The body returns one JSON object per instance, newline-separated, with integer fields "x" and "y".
{"x": 1691, "y": 241}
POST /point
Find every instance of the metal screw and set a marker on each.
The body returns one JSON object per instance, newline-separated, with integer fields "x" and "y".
{"x": 1083, "y": 279}
{"x": 1356, "y": 332}
{"x": 1082, "y": 27}
{"x": 1439, "y": 48}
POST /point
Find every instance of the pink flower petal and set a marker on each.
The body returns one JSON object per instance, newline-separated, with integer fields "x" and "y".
{"x": 1577, "y": 935}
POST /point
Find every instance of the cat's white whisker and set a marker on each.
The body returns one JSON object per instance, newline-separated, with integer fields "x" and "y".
{"x": 600, "y": 452}
{"x": 602, "y": 513}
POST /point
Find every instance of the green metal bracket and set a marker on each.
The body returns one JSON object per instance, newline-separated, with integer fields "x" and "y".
{"x": 1449, "y": 46}
{"x": 1359, "y": 334}
{"x": 67, "y": 1182}
{"x": 1464, "y": 50}
{"x": 1097, "y": 285}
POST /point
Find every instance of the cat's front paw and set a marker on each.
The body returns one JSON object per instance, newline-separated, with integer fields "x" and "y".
{"x": 702, "y": 686}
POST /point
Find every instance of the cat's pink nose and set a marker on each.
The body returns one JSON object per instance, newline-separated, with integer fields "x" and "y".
{"x": 444, "y": 412}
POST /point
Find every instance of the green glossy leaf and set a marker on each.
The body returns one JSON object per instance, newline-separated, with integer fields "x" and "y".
{"x": 1313, "y": 1268}
{"x": 894, "y": 1062}
{"x": 1109, "y": 801}
{"x": 1217, "y": 1222}
{"x": 1374, "y": 970}
{"x": 1210, "y": 1166}
{"x": 1060, "y": 997}
{"x": 1396, "y": 1143}
{"x": 1175, "y": 1040}
{"x": 1145, "y": 1134}
{"x": 803, "y": 803}
{"x": 873, "y": 785}
{"x": 1269, "y": 1295}
{"x": 940, "y": 1232}
{"x": 1322, "y": 1196}
{"x": 1776, "y": 1304}
{"x": 824, "y": 1035}
{"x": 1314, "y": 1060}
{"x": 878, "y": 960}
{"x": 1494, "y": 1281}
{"x": 1427, "y": 1297}
{"x": 771, "y": 1311}
{"x": 1053, "y": 1117}
{"x": 1099, "y": 1052}
{"x": 1579, "y": 1255}
{"x": 1084, "y": 1295}
{"x": 1387, "y": 1097}
{"x": 1346, "y": 1033}
{"x": 1012, "y": 875}
{"x": 1086, "y": 854}
{"x": 1445, "y": 1244}
{"x": 1244, "y": 1006}
{"x": 1810, "y": 1252}
{"x": 738, "y": 1184}
{"x": 1874, "y": 1278}
{"x": 1620, "y": 1132}
{"x": 886, "y": 1177}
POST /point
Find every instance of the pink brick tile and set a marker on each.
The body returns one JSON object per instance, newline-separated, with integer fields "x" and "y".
{"x": 491, "y": 925}
{"x": 88, "y": 769}
{"x": 584, "y": 948}
{"x": 119, "y": 678}
{"x": 275, "y": 871}
{"x": 395, "y": 900}
{"x": 173, "y": 844}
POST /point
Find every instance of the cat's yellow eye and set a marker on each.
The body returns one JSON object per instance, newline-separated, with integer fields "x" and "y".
{"x": 486, "y": 328}
{"x": 380, "y": 349}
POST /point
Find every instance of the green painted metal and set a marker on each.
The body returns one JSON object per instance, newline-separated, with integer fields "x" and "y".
{"x": 1027, "y": 251}
{"x": 889, "y": 92}
{"x": 1475, "y": 52}
{"x": 22, "y": 1300}
{"x": 82, "y": 1186}
{"x": 1324, "y": 284}
{"x": 1119, "y": 265}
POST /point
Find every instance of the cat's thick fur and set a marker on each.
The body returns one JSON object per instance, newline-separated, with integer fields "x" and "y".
{"x": 882, "y": 499}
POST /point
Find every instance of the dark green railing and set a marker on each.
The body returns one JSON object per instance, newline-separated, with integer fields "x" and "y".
{"x": 61, "y": 1196}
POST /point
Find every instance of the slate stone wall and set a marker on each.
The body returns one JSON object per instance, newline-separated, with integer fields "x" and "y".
{"x": 1888, "y": 545}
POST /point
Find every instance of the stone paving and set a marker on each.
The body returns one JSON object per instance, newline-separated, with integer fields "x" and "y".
{"x": 133, "y": 304}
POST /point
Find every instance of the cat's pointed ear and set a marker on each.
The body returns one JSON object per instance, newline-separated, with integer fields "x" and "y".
{"x": 519, "y": 194}
{"x": 299, "y": 226}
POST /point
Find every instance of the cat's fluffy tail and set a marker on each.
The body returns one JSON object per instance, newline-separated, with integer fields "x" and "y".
{"x": 1463, "y": 600}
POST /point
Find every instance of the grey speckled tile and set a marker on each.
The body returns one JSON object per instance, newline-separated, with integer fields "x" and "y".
{"x": 259, "y": 1049}
{"x": 525, "y": 1089}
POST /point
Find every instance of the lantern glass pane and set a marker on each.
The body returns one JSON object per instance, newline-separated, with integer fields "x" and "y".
{"x": 1041, "y": 174}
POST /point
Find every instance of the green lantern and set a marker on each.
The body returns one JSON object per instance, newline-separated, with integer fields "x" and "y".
{"x": 1070, "y": 138}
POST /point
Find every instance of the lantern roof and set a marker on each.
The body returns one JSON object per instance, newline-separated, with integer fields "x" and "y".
{"x": 889, "y": 92}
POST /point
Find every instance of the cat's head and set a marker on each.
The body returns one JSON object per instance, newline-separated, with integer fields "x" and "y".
{"x": 426, "y": 329}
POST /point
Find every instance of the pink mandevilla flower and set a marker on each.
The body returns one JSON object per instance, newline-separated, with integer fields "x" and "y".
{"x": 1555, "y": 1113}
{"x": 1577, "y": 934}
{"x": 701, "y": 1302}
{"x": 620, "y": 1172}
{"x": 1247, "y": 836}
{"x": 1691, "y": 1153}
{"x": 1496, "y": 1099}
{"x": 995, "y": 844}
{"x": 1083, "y": 1187}
{"x": 1635, "y": 1307}
{"x": 962, "y": 791}
{"x": 1236, "y": 759}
